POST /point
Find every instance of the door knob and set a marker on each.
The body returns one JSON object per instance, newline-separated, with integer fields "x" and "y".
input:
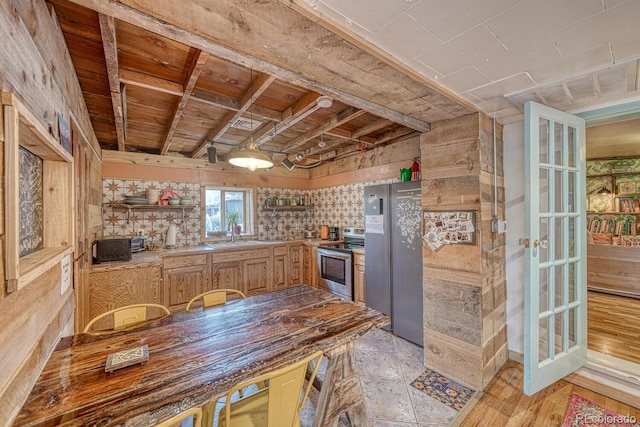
{"x": 540, "y": 243}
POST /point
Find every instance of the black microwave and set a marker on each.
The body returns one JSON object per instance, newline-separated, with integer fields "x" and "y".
{"x": 109, "y": 250}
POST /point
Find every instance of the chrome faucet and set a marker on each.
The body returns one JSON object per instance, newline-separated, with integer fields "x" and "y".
{"x": 232, "y": 229}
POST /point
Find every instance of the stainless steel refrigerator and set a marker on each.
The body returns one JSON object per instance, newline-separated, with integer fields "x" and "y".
{"x": 393, "y": 255}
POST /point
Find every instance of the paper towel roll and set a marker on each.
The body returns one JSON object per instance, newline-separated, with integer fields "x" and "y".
{"x": 171, "y": 236}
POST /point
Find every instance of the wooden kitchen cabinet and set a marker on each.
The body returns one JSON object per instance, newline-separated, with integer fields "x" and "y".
{"x": 359, "y": 284}
{"x": 281, "y": 268}
{"x": 257, "y": 276}
{"x": 184, "y": 278}
{"x": 310, "y": 266}
{"x": 226, "y": 275}
{"x": 296, "y": 263}
{"x": 116, "y": 286}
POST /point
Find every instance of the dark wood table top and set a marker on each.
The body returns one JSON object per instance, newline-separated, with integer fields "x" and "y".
{"x": 193, "y": 357}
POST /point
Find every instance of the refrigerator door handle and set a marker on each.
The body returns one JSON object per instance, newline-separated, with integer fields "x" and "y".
{"x": 381, "y": 202}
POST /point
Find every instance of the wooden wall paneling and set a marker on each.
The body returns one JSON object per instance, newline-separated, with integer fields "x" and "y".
{"x": 11, "y": 198}
{"x": 29, "y": 334}
{"x": 43, "y": 85}
{"x": 81, "y": 270}
{"x": 456, "y": 359}
{"x": 457, "y": 171}
{"x": 26, "y": 74}
{"x": 458, "y": 313}
{"x": 401, "y": 151}
{"x": 52, "y": 48}
{"x": 59, "y": 204}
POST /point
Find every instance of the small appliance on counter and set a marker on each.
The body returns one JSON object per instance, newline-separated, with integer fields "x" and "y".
{"x": 138, "y": 244}
{"x": 334, "y": 233}
{"x": 117, "y": 249}
{"x": 110, "y": 250}
{"x": 171, "y": 241}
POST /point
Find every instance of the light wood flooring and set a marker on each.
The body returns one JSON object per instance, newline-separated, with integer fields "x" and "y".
{"x": 503, "y": 402}
{"x": 614, "y": 325}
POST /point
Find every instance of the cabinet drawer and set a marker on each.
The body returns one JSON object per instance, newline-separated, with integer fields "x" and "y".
{"x": 280, "y": 250}
{"x": 358, "y": 259}
{"x": 240, "y": 255}
{"x": 184, "y": 261}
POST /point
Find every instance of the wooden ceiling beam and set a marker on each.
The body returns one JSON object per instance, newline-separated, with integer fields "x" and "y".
{"x": 393, "y": 134}
{"x": 371, "y": 127}
{"x": 261, "y": 83}
{"x": 170, "y": 19}
{"x": 338, "y": 119}
{"x": 135, "y": 78}
{"x": 305, "y": 106}
{"x": 221, "y": 101}
{"x": 109, "y": 44}
{"x": 198, "y": 60}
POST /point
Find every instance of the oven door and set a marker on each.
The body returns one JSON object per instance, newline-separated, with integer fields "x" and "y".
{"x": 336, "y": 272}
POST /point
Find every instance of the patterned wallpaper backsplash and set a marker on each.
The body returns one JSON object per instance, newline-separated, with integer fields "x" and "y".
{"x": 333, "y": 206}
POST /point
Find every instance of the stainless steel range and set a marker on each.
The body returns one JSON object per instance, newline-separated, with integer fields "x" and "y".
{"x": 335, "y": 262}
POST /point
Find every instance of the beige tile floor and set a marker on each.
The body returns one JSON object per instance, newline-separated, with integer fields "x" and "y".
{"x": 387, "y": 365}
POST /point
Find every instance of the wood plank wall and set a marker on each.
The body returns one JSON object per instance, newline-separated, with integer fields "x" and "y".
{"x": 35, "y": 67}
{"x": 380, "y": 163}
{"x": 464, "y": 286}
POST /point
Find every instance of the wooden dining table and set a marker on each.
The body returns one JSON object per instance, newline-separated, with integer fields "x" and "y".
{"x": 196, "y": 356}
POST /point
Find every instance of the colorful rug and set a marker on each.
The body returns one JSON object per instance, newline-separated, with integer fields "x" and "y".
{"x": 443, "y": 389}
{"x": 585, "y": 412}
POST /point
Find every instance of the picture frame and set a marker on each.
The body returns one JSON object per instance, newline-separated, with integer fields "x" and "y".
{"x": 443, "y": 228}
{"x": 627, "y": 187}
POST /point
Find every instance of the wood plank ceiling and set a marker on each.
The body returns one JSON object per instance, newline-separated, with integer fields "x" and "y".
{"x": 148, "y": 93}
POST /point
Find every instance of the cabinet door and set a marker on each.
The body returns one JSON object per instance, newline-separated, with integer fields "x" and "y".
{"x": 227, "y": 275}
{"x": 119, "y": 287}
{"x": 359, "y": 283}
{"x": 255, "y": 273}
{"x": 310, "y": 276}
{"x": 296, "y": 260}
{"x": 280, "y": 272}
{"x": 182, "y": 284}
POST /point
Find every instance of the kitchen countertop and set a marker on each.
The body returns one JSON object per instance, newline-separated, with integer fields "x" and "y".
{"x": 137, "y": 258}
{"x": 151, "y": 257}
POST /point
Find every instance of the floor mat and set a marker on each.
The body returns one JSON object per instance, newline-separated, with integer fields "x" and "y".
{"x": 443, "y": 389}
{"x": 583, "y": 411}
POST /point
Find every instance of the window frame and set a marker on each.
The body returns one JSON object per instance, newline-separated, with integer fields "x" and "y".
{"x": 249, "y": 229}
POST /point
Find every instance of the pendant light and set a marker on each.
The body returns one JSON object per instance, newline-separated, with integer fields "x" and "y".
{"x": 251, "y": 157}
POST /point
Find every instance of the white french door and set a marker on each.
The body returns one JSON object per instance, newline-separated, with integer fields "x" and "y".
{"x": 555, "y": 336}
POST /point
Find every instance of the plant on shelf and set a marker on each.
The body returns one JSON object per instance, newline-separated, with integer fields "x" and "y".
{"x": 232, "y": 221}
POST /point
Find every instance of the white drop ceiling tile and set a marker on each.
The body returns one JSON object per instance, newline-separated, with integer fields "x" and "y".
{"x": 463, "y": 80}
{"x": 497, "y": 105}
{"x": 575, "y": 65}
{"x": 627, "y": 46}
{"x": 370, "y": 14}
{"x": 533, "y": 18}
{"x": 474, "y": 46}
{"x": 612, "y": 24}
{"x": 404, "y": 38}
{"x": 449, "y": 18}
{"x": 533, "y": 53}
{"x": 424, "y": 69}
{"x": 608, "y": 4}
{"x": 497, "y": 89}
